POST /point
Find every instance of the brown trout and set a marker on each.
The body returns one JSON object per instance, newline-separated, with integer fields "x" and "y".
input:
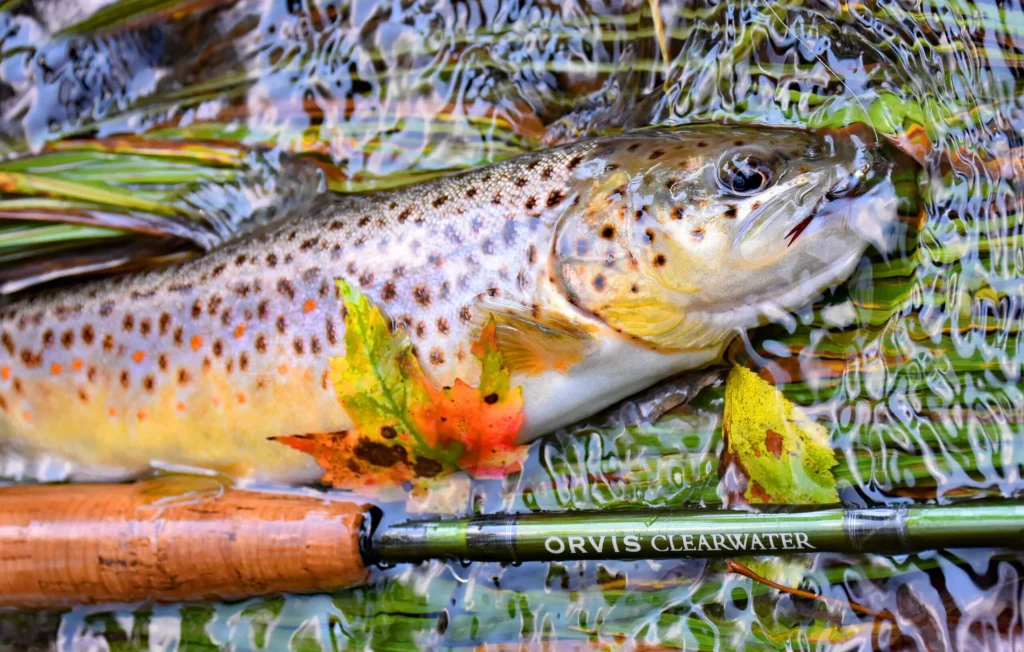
{"x": 608, "y": 265}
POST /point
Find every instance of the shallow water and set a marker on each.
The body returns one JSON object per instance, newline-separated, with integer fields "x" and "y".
{"x": 913, "y": 365}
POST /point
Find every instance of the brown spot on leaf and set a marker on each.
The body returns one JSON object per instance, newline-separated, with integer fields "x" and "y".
{"x": 380, "y": 454}
{"x": 773, "y": 443}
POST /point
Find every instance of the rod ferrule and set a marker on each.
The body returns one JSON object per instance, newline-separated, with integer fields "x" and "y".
{"x": 877, "y": 528}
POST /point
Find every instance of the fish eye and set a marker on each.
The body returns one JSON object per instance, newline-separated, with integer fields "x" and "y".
{"x": 744, "y": 174}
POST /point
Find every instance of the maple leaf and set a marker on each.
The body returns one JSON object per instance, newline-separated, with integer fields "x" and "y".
{"x": 406, "y": 429}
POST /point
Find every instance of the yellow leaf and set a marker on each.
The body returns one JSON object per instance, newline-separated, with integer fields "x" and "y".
{"x": 785, "y": 455}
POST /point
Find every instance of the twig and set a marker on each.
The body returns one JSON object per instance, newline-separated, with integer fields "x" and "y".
{"x": 736, "y": 567}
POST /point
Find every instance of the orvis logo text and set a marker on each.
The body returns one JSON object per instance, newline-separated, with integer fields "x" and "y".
{"x": 668, "y": 543}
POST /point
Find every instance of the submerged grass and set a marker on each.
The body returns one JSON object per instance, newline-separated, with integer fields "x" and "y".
{"x": 914, "y": 364}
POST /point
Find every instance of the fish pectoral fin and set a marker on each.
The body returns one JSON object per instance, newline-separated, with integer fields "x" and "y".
{"x": 533, "y": 341}
{"x": 651, "y": 404}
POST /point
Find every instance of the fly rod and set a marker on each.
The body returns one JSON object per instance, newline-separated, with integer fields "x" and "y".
{"x": 75, "y": 544}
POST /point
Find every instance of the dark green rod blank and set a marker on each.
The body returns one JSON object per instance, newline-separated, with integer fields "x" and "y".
{"x": 657, "y": 533}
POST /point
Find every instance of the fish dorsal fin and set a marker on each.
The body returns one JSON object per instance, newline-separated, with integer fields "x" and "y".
{"x": 531, "y": 340}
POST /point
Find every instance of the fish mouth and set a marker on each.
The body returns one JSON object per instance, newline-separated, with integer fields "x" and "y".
{"x": 837, "y": 191}
{"x": 871, "y": 166}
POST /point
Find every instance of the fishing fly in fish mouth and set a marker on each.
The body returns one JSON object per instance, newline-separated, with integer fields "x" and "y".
{"x": 607, "y": 265}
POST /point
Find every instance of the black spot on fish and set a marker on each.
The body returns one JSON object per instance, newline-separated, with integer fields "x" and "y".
{"x": 655, "y": 155}
{"x": 285, "y": 287}
{"x": 88, "y": 334}
{"x": 599, "y": 282}
{"x": 422, "y": 295}
{"x": 440, "y": 201}
{"x": 197, "y": 309}
{"x": 546, "y": 173}
{"x": 48, "y": 338}
{"x": 404, "y": 215}
{"x": 388, "y": 292}
{"x": 531, "y": 202}
{"x": 281, "y": 324}
{"x": 677, "y": 212}
{"x": 128, "y": 323}
{"x": 261, "y": 343}
{"x": 730, "y": 211}
{"x": 608, "y": 232}
{"x": 575, "y": 162}
{"x": 272, "y": 259}
{"x": 633, "y": 147}
{"x": 660, "y": 260}
{"x": 555, "y": 197}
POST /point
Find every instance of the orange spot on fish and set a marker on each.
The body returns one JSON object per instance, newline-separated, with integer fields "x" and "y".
{"x": 309, "y": 306}
{"x": 282, "y": 369}
{"x": 216, "y": 402}
{"x": 197, "y": 342}
{"x": 26, "y": 416}
{"x": 241, "y": 398}
{"x": 181, "y": 406}
{"x": 139, "y": 356}
{"x": 239, "y": 331}
{"x": 55, "y": 368}
{"x": 5, "y": 371}
{"x": 112, "y": 412}
{"x": 142, "y": 415}
{"x": 77, "y": 364}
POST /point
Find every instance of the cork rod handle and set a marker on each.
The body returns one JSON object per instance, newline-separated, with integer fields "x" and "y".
{"x": 62, "y": 545}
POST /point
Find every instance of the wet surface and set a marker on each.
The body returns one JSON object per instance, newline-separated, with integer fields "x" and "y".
{"x": 913, "y": 365}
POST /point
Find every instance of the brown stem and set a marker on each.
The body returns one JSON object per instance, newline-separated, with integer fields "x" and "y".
{"x": 736, "y": 567}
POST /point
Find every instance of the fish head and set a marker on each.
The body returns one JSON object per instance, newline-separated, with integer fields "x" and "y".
{"x": 680, "y": 239}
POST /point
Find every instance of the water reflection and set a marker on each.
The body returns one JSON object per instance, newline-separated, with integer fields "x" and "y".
{"x": 914, "y": 365}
